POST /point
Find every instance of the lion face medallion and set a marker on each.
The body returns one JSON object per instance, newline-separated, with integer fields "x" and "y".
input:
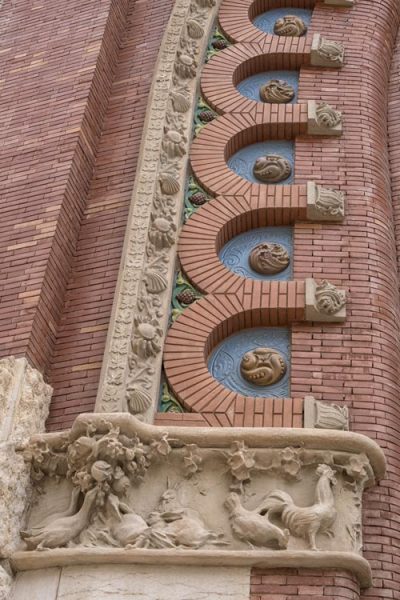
{"x": 262, "y": 366}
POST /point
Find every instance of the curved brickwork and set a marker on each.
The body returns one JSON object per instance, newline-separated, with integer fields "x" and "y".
{"x": 394, "y": 140}
{"x": 235, "y": 20}
{"x": 357, "y": 362}
{"x": 219, "y": 220}
{"x": 227, "y": 134}
{"x": 204, "y": 324}
{"x": 288, "y": 584}
{"x": 225, "y": 70}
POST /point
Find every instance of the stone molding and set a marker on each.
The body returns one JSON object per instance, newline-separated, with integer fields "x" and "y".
{"x": 131, "y": 368}
{"x": 188, "y": 496}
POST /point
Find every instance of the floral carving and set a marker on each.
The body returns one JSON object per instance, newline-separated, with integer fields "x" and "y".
{"x": 327, "y": 116}
{"x": 192, "y": 460}
{"x": 290, "y": 26}
{"x": 272, "y": 168}
{"x": 277, "y": 91}
{"x": 263, "y": 366}
{"x": 269, "y": 258}
{"x": 329, "y": 202}
{"x": 329, "y": 300}
{"x": 241, "y": 462}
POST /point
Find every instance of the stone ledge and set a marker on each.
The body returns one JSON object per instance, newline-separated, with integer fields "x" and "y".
{"x": 266, "y": 559}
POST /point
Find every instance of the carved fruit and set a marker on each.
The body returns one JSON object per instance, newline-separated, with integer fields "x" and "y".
{"x": 195, "y": 30}
{"x": 101, "y": 470}
{"x": 219, "y": 44}
{"x": 263, "y": 366}
{"x": 169, "y": 184}
{"x": 290, "y": 26}
{"x": 186, "y": 297}
{"x": 155, "y": 283}
{"x": 277, "y": 91}
{"x": 138, "y": 400}
{"x": 206, "y": 116}
{"x": 272, "y": 168}
{"x": 198, "y": 199}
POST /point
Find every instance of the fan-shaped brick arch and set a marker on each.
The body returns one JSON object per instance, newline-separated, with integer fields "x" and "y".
{"x": 225, "y": 70}
{"x": 213, "y": 318}
{"x": 224, "y": 217}
{"x": 220, "y": 139}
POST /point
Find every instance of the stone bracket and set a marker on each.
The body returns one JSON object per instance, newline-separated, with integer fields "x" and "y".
{"x": 324, "y": 302}
{"x": 324, "y": 204}
{"x": 316, "y": 124}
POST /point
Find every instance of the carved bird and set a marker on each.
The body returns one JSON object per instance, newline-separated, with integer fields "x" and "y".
{"x": 252, "y": 527}
{"x": 306, "y": 522}
{"x": 62, "y": 530}
{"x": 70, "y": 510}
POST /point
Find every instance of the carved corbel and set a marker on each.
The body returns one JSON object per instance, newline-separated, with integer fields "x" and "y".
{"x": 324, "y": 204}
{"x": 323, "y": 119}
{"x": 324, "y": 302}
{"x": 326, "y": 53}
{"x": 321, "y": 415}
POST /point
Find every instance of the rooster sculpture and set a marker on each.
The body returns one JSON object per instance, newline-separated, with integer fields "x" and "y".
{"x": 305, "y": 522}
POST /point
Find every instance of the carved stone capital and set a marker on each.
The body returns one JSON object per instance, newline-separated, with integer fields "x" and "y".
{"x": 114, "y": 489}
{"x": 326, "y": 53}
{"x": 324, "y": 204}
{"x": 324, "y": 302}
{"x": 323, "y": 119}
{"x": 24, "y": 403}
{"x": 323, "y": 415}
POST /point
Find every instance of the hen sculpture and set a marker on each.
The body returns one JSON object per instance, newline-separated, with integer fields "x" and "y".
{"x": 252, "y": 527}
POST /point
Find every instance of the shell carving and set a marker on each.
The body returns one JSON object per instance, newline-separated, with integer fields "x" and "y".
{"x": 290, "y": 26}
{"x": 195, "y": 30}
{"x": 331, "y": 51}
{"x": 272, "y": 168}
{"x": 180, "y": 102}
{"x": 329, "y": 300}
{"x": 155, "y": 283}
{"x": 262, "y": 366}
{"x": 326, "y": 116}
{"x": 269, "y": 258}
{"x": 169, "y": 184}
{"x": 138, "y": 400}
{"x": 185, "y": 66}
{"x": 277, "y": 91}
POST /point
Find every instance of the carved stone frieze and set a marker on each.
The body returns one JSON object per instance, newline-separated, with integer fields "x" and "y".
{"x": 322, "y": 415}
{"x": 323, "y": 119}
{"x": 324, "y": 302}
{"x": 324, "y": 204}
{"x": 276, "y": 91}
{"x": 290, "y": 26}
{"x": 131, "y": 369}
{"x": 114, "y": 482}
{"x": 326, "y": 53}
{"x": 272, "y": 168}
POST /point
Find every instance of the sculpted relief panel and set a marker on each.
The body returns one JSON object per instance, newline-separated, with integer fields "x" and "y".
{"x": 113, "y": 483}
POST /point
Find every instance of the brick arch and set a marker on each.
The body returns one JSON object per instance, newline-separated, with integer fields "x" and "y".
{"x": 221, "y": 219}
{"x": 224, "y": 136}
{"x": 236, "y": 21}
{"x": 230, "y": 66}
{"x": 207, "y": 322}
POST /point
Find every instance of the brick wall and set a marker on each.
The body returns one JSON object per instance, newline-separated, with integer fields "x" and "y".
{"x": 57, "y": 65}
{"x": 291, "y": 584}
